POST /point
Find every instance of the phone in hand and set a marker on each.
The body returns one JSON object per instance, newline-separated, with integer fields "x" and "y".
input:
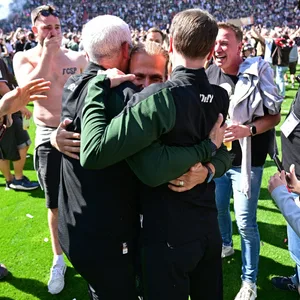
{"x": 278, "y": 163}
{"x": 280, "y": 168}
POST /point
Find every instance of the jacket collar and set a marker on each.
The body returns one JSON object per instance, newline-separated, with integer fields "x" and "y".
{"x": 93, "y": 68}
{"x": 250, "y": 66}
{"x": 181, "y": 72}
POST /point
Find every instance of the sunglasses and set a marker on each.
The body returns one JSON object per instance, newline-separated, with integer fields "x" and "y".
{"x": 47, "y": 13}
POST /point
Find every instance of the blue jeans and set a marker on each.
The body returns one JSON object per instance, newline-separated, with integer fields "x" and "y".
{"x": 245, "y": 214}
{"x": 294, "y": 249}
{"x": 280, "y": 71}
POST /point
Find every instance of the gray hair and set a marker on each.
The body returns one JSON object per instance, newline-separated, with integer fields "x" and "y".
{"x": 103, "y": 36}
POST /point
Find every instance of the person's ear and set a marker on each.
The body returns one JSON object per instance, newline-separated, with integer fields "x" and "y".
{"x": 87, "y": 56}
{"x": 125, "y": 47}
{"x": 34, "y": 29}
{"x": 240, "y": 46}
{"x": 171, "y": 45}
{"x": 211, "y": 53}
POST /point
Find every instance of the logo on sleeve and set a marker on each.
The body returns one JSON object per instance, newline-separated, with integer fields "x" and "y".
{"x": 206, "y": 99}
{"x": 72, "y": 87}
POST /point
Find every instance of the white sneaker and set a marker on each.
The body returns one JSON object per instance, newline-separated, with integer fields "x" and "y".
{"x": 248, "y": 291}
{"x": 227, "y": 251}
{"x": 56, "y": 282}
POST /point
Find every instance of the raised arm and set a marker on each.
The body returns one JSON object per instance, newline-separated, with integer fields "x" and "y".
{"x": 13, "y": 100}
{"x": 256, "y": 35}
{"x": 294, "y": 34}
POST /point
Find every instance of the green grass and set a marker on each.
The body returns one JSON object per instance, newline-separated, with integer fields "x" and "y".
{"x": 28, "y": 257}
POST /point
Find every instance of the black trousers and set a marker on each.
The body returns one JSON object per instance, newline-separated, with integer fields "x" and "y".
{"x": 175, "y": 272}
{"x": 108, "y": 269}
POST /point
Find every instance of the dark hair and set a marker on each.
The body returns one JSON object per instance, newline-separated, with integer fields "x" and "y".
{"x": 154, "y": 29}
{"x": 36, "y": 12}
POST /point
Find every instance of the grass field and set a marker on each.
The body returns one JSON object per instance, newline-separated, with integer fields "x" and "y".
{"x": 27, "y": 254}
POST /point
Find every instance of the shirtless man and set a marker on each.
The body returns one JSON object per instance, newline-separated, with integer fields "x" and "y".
{"x": 50, "y": 61}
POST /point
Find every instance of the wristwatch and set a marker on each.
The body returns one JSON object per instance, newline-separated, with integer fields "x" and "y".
{"x": 252, "y": 129}
{"x": 210, "y": 174}
{"x": 213, "y": 148}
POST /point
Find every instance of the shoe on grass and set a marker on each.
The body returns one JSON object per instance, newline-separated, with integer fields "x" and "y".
{"x": 248, "y": 291}
{"x": 3, "y": 271}
{"x": 56, "y": 282}
{"x": 8, "y": 183}
{"x": 23, "y": 184}
{"x": 227, "y": 251}
{"x": 284, "y": 283}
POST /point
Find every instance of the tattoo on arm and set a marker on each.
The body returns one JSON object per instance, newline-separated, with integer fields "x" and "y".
{"x": 69, "y": 71}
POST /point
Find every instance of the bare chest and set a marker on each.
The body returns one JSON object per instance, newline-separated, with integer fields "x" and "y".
{"x": 61, "y": 70}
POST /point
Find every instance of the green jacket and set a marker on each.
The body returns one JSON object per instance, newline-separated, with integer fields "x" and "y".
{"x": 136, "y": 134}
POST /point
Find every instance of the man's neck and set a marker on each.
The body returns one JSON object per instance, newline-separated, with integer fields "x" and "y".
{"x": 179, "y": 60}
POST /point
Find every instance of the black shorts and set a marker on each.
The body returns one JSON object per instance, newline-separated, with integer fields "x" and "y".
{"x": 47, "y": 165}
{"x": 292, "y": 67}
{"x": 15, "y": 138}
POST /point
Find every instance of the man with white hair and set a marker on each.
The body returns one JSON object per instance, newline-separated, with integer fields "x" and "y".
{"x": 50, "y": 61}
{"x": 99, "y": 208}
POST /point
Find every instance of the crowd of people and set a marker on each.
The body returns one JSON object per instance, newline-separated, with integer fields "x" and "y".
{"x": 149, "y": 13}
{"x": 164, "y": 177}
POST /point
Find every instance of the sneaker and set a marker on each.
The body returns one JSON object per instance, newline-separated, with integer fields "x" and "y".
{"x": 56, "y": 282}
{"x": 248, "y": 291}
{"x": 293, "y": 86}
{"x": 284, "y": 283}
{"x": 227, "y": 251}
{"x": 3, "y": 271}
{"x": 7, "y": 186}
{"x": 23, "y": 184}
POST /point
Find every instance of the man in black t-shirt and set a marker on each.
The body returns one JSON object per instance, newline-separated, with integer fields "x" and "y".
{"x": 281, "y": 49}
{"x": 21, "y": 40}
{"x": 31, "y": 42}
{"x": 250, "y": 136}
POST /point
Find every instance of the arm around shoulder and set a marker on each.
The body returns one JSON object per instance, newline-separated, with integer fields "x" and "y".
{"x": 159, "y": 163}
{"x": 141, "y": 122}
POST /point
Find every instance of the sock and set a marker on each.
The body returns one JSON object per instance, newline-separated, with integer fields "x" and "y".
{"x": 58, "y": 260}
{"x": 250, "y": 284}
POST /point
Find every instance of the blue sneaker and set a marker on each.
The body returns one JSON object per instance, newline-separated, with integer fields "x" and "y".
{"x": 8, "y": 183}
{"x": 23, "y": 184}
{"x": 3, "y": 271}
{"x": 284, "y": 283}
